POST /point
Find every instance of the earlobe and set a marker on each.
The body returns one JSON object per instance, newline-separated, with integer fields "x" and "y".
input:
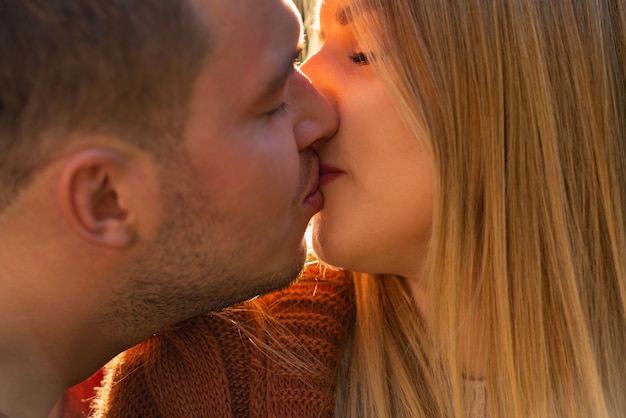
{"x": 92, "y": 193}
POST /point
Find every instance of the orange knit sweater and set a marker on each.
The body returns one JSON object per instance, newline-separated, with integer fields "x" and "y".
{"x": 212, "y": 367}
{"x": 225, "y": 365}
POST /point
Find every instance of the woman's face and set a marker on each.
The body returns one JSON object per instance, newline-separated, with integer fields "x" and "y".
{"x": 376, "y": 176}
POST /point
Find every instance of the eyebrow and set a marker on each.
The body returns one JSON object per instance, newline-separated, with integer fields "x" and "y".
{"x": 344, "y": 16}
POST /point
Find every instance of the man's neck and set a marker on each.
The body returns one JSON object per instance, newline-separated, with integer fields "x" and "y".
{"x": 50, "y": 337}
{"x": 38, "y": 362}
{"x": 26, "y": 391}
{"x": 30, "y": 378}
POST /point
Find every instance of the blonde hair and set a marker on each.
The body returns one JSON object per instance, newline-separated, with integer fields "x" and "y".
{"x": 523, "y": 106}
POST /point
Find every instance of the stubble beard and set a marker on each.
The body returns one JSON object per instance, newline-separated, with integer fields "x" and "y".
{"x": 189, "y": 271}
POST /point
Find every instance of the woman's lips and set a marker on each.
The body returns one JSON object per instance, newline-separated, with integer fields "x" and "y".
{"x": 328, "y": 174}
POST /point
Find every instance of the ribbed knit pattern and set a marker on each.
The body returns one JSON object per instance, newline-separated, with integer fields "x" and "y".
{"x": 225, "y": 366}
{"x": 213, "y": 366}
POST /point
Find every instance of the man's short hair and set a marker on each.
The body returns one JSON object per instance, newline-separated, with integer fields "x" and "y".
{"x": 113, "y": 67}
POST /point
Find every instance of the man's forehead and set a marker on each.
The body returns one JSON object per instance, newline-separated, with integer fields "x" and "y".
{"x": 251, "y": 23}
{"x": 254, "y": 46}
{"x": 240, "y": 11}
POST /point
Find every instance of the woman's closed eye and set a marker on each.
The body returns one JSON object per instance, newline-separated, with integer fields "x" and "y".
{"x": 360, "y": 58}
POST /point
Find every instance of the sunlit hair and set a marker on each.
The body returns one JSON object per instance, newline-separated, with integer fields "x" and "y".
{"x": 523, "y": 106}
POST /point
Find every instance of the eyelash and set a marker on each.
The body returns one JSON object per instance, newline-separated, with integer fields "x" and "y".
{"x": 359, "y": 58}
{"x": 279, "y": 111}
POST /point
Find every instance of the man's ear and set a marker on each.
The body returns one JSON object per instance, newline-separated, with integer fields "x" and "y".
{"x": 98, "y": 196}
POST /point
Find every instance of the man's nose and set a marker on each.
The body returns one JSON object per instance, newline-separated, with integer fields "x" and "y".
{"x": 318, "y": 118}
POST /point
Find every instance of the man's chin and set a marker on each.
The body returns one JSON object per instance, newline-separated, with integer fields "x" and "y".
{"x": 289, "y": 271}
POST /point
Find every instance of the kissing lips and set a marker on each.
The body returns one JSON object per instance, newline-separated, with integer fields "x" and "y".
{"x": 314, "y": 197}
{"x": 328, "y": 173}
{"x": 315, "y": 200}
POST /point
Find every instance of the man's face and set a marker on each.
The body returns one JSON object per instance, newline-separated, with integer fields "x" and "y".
{"x": 240, "y": 198}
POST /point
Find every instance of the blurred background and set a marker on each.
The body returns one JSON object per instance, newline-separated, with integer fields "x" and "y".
{"x": 308, "y": 10}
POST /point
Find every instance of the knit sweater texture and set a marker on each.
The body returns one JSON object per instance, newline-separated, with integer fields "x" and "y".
{"x": 227, "y": 365}
{"x": 217, "y": 366}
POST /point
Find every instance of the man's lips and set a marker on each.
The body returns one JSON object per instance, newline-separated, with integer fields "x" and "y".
{"x": 328, "y": 173}
{"x": 314, "y": 197}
